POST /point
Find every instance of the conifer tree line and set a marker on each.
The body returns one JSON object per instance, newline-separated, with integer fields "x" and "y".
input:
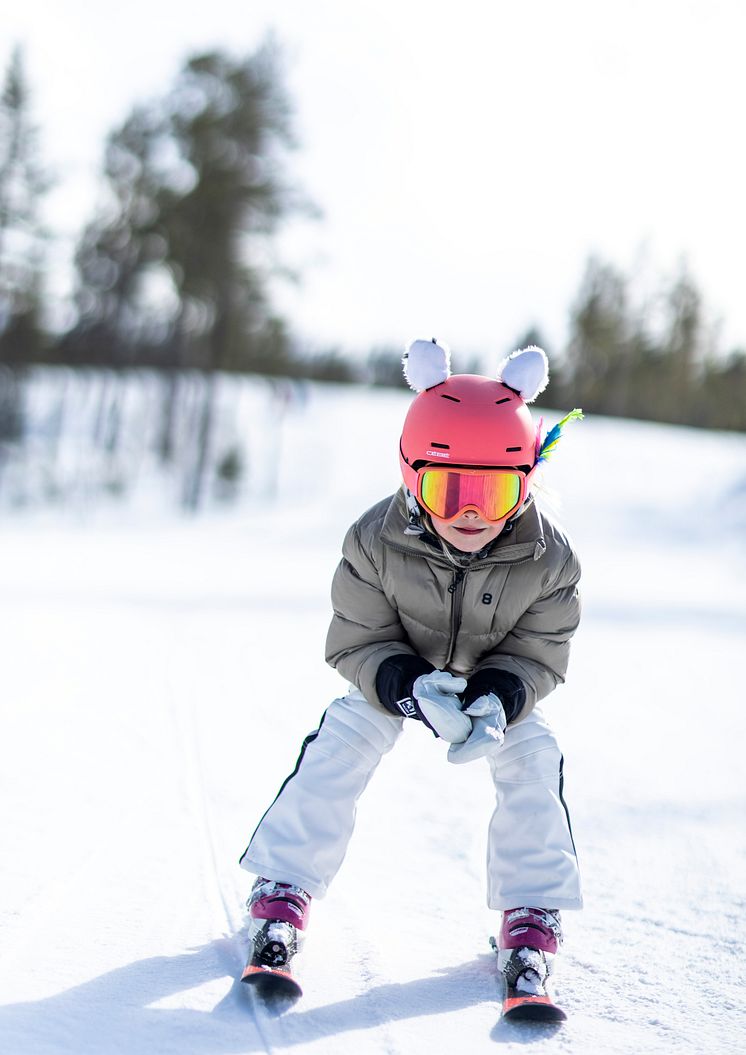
{"x": 172, "y": 270}
{"x": 657, "y": 360}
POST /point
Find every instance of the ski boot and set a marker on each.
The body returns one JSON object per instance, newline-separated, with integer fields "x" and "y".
{"x": 528, "y": 942}
{"x": 526, "y": 948}
{"x": 278, "y": 915}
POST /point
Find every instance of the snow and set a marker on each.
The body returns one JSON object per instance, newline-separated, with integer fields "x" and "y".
{"x": 158, "y": 676}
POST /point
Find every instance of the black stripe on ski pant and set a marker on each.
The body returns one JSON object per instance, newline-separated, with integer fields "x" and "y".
{"x": 306, "y": 743}
{"x": 564, "y": 804}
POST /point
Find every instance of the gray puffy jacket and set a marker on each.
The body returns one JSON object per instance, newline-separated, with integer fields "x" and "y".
{"x": 513, "y": 607}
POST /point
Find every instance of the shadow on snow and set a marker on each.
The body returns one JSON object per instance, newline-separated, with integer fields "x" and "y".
{"x": 114, "y": 1012}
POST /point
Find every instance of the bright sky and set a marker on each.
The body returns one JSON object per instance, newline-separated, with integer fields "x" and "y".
{"x": 467, "y": 156}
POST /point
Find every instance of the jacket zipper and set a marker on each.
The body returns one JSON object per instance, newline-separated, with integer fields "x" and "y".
{"x": 456, "y": 590}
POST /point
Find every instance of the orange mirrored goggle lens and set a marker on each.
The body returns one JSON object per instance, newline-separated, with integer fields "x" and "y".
{"x": 448, "y": 492}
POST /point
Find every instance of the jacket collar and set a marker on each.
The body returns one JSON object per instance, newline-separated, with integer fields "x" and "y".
{"x": 524, "y": 541}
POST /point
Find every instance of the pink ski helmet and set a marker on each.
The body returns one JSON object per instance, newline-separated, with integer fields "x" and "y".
{"x": 466, "y": 419}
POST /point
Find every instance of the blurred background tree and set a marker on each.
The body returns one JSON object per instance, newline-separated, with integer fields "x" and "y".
{"x": 23, "y": 184}
{"x": 604, "y": 346}
{"x": 174, "y": 271}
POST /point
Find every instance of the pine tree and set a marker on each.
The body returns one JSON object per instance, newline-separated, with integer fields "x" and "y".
{"x": 23, "y": 184}
{"x": 604, "y": 341}
{"x": 175, "y": 269}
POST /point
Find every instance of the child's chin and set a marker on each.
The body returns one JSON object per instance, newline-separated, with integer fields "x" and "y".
{"x": 467, "y": 540}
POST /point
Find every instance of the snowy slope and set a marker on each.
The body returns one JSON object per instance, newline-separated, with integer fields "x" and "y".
{"x": 149, "y": 713}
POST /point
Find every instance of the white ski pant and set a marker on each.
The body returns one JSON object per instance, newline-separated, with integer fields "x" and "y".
{"x": 303, "y": 836}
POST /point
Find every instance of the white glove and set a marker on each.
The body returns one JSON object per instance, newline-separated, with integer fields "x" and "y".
{"x": 488, "y": 730}
{"x": 439, "y": 706}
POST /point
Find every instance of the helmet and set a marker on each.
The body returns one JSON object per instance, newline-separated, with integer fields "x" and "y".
{"x": 467, "y": 419}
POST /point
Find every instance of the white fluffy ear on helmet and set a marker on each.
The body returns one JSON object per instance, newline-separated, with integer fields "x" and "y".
{"x": 426, "y": 363}
{"x": 526, "y": 372}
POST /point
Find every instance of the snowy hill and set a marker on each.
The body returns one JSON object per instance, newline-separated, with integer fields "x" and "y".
{"x": 150, "y": 709}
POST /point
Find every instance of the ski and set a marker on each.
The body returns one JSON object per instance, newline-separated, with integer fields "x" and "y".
{"x": 269, "y": 968}
{"x": 271, "y": 981}
{"x": 520, "y": 1005}
{"x": 527, "y": 1007}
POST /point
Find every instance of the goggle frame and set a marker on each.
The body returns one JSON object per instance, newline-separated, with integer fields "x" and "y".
{"x": 488, "y": 472}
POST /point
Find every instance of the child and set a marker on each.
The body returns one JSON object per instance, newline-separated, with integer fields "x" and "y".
{"x": 454, "y": 605}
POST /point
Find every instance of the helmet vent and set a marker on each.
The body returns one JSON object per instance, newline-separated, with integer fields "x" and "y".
{"x": 452, "y": 398}
{"x": 511, "y": 450}
{"x": 440, "y": 446}
{"x": 499, "y": 401}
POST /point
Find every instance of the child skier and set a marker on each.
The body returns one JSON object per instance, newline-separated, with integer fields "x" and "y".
{"x": 454, "y": 605}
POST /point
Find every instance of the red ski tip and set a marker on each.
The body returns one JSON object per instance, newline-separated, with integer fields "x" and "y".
{"x": 271, "y": 980}
{"x": 532, "y": 1008}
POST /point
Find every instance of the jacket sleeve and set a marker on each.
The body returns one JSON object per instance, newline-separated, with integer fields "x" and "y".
{"x": 365, "y": 629}
{"x": 537, "y": 649}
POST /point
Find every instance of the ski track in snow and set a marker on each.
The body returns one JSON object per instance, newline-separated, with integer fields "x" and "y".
{"x": 159, "y": 675}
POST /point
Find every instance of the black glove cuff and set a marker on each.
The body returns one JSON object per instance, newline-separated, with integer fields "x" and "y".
{"x": 507, "y": 686}
{"x": 394, "y": 681}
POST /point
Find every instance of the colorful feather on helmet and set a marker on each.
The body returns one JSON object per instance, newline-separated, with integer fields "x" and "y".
{"x": 552, "y": 437}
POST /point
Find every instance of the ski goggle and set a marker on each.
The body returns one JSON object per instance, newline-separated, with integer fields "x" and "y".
{"x": 493, "y": 493}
